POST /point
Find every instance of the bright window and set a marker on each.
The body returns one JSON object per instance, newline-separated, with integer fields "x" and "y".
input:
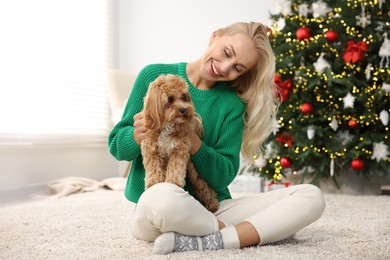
{"x": 53, "y": 65}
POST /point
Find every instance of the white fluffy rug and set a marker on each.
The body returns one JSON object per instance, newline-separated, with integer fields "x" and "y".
{"x": 94, "y": 225}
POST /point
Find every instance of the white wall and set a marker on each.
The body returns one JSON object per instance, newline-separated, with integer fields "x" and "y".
{"x": 145, "y": 31}
{"x": 154, "y": 31}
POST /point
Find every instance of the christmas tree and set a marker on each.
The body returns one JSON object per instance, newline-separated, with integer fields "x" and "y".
{"x": 333, "y": 77}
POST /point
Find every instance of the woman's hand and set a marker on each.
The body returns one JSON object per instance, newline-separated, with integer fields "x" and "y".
{"x": 196, "y": 144}
{"x": 139, "y": 127}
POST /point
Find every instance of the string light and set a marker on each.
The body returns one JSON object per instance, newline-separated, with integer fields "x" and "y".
{"x": 328, "y": 103}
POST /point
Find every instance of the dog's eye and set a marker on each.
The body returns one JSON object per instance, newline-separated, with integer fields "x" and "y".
{"x": 184, "y": 97}
{"x": 170, "y": 100}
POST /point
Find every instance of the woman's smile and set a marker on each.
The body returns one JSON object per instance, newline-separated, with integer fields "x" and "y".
{"x": 214, "y": 70}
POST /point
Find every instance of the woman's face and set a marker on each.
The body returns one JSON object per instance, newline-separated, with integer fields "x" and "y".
{"x": 228, "y": 57}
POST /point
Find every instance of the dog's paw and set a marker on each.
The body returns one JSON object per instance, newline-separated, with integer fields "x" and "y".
{"x": 181, "y": 182}
{"x": 149, "y": 182}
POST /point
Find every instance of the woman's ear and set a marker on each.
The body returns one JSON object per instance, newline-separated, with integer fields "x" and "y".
{"x": 212, "y": 37}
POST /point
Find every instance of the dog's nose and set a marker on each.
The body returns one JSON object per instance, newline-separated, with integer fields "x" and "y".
{"x": 183, "y": 111}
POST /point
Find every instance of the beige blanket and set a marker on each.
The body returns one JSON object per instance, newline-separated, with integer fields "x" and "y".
{"x": 70, "y": 185}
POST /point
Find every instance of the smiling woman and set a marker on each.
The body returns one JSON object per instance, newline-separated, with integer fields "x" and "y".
{"x": 54, "y": 63}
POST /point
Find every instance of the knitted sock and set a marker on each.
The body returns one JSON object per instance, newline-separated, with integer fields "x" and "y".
{"x": 174, "y": 242}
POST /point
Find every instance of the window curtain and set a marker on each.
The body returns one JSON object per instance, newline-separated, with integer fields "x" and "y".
{"x": 54, "y": 58}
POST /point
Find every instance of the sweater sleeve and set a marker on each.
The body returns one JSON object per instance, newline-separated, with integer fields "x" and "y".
{"x": 121, "y": 142}
{"x": 218, "y": 163}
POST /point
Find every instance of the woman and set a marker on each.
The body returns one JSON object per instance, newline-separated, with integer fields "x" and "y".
{"x": 232, "y": 90}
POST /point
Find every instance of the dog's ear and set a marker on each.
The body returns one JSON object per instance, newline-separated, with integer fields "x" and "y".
{"x": 199, "y": 130}
{"x": 153, "y": 107}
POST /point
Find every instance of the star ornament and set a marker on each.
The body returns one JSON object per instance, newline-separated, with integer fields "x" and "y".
{"x": 303, "y": 9}
{"x": 284, "y": 8}
{"x": 321, "y": 64}
{"x": 320, "y": 9}
{"x": 363, "y": 20}
{"x": 349, "y": 100}
{"x": 344, "y": 137}
{"x": 380, "y": 152}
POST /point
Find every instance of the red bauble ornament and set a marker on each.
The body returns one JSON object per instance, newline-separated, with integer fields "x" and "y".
{"x": 352, "y": 123}
{"x": 332, "y": 36}
{"x": 285, "y": 162}
{"x": 307, "y": 108}
{"x": 357, "y": 164}
{"x": 269, "y": 33}
{"x": 285, "y": 140}
{"x": 303, "y": 33}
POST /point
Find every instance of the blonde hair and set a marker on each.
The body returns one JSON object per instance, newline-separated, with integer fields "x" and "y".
{"x": 256, "y": 88}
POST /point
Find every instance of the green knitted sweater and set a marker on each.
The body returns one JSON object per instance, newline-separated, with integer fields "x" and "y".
{"x": 222, "y": 111}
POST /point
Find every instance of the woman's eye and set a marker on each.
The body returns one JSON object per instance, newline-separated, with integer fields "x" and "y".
{"x": 170, "y": 99}
{"x": 226, "y": 53}
{"x": 237, "y": 69}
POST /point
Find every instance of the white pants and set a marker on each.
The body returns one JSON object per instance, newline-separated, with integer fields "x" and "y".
{"x": 276, "y": 215}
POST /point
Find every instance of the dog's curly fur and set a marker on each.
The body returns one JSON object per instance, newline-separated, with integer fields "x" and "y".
{"x": 171, "y": 121}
